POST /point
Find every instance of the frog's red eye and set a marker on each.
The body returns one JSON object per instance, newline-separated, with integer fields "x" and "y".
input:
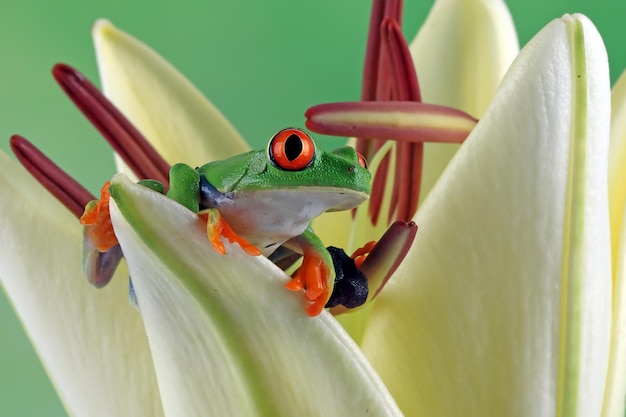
{"x": 362, "y": 160}
{"x": 291, "y": 149}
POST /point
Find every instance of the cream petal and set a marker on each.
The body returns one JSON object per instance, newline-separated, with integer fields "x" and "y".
{"x": 616, "y": 378}
{"x": 173, "y": 115}
{"x": 615, "y": 390}
{"x": 334, "y": 229}
{"x": 92, "y": 342}
{"x": 461, "y": 53}
{"x": 226, "y": 336}
{"x": 503, "y": 306}
{"x": 617, "y": 162}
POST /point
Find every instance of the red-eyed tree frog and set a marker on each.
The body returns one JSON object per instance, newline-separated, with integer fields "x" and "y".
{"x": 262, "y": 200}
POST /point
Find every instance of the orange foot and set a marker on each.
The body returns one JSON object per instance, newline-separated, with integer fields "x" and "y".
{"x": 97, "y": 222}
{"x": 313, "y": 277}
{"x": 217, "y": 227}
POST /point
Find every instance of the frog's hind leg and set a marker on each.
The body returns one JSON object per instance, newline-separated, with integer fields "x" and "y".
{"x": 101, "y": 250}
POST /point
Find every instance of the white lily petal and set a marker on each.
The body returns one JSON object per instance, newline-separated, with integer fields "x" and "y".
{"x": 615, "y": 390}
{"x": 227, "y": 337}
{"x": 174, "y": 116}
{"x": 92, "y": 342}
{"x": 461, "y": 53}
{"x": 617, "y": 163}
{"x": 616, "y": 378}
{"x": 502, "y": 307}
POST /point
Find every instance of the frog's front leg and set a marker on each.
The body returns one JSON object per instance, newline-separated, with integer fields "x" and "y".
{"x": 191, "y": 189}
{"x": 316, "y": 275}
{"x": 217, "y": 228}
{"x": 185, "y": 186}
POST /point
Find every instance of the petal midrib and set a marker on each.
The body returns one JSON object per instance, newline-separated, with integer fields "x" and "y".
{"x": 573, "y": 236}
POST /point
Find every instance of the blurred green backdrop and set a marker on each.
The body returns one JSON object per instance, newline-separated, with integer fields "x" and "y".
{"x": 261, "y": 62}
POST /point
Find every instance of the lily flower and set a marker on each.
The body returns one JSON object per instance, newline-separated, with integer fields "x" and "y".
{"x": 504, "y": 219}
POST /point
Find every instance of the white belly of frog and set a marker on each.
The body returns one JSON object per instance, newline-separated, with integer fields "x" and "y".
{"x": 267, "y": 219}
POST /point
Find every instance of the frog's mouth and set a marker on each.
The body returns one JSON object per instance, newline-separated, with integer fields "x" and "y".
{"x": 349, "y": 200}
{"x": 309, "y": 201}
{"x": 335, "y": 198}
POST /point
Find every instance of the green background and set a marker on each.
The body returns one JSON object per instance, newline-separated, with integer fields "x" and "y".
{"x": 261, "y": 63}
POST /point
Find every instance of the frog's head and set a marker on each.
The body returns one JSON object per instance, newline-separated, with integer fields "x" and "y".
{"x": 292, "y": 162}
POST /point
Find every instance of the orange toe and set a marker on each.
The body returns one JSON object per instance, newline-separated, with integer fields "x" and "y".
{"x": 295, "y": 284}
{"x": 316, "y": 308}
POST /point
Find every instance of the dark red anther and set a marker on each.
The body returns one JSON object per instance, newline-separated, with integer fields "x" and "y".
{"x": 65, "y": 188}
{"x": 397, "y": 240}
{"x": 125, "y": 139}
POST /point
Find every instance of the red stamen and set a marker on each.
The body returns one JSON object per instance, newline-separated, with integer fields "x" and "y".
{"x": 65, "y": 188}
{"x": 397, "y": 80}
{"x": 389, "y": 75}
{"x": 125, "y": 139}
{"x": 409, "y": 155}
{"x": 372, "y": 53}
{"x": 379, "y": 185}
{"x": 372, "y": 77}
{"x": 405, "y": 84}
{"x": 415, "y": 180}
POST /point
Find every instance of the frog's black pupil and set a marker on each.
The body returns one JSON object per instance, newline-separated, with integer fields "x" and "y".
{"x": 293, "y": 147}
